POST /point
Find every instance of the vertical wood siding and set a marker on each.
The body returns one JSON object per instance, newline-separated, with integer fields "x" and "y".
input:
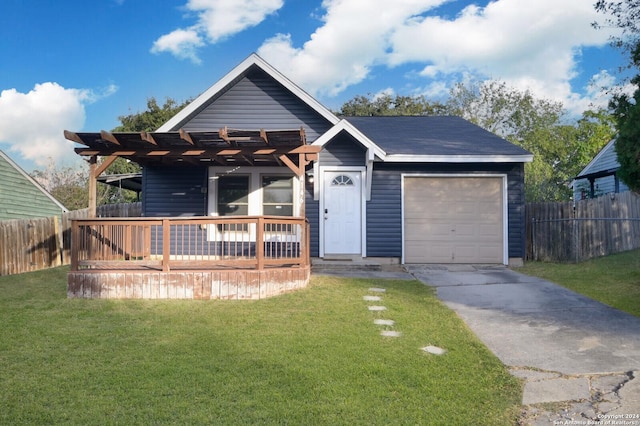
{"x": 258, "y": 102}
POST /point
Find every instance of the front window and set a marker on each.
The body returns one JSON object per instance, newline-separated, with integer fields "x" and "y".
{"x": 277, "y": 195}
{"x": 233, "y": 195}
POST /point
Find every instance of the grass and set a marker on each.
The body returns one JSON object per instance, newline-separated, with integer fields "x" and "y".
{"x": 613, "y": 280}
{"x": 309, "y": 357}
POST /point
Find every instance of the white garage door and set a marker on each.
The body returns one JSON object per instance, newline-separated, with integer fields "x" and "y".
{"x": 453, "y": 220}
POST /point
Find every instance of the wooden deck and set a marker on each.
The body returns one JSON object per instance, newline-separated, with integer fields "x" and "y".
{"x": 188, "y": 258}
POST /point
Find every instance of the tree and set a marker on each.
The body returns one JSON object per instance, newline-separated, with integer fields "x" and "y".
{"x": 627, "y": 112}
{"x": 626, "y": 109}
{"x": 560, "y": 149}
{"x": 69, "y": 185}
{"x": 385, "y": 105}
{"x": 622, "y": 14}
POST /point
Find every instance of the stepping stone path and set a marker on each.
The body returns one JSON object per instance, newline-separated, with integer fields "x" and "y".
{"x": 390, "y": 323}
{"x": 378, "y": 321}
{"x": 377, "y": 308}
{"x": 434, "y": 350}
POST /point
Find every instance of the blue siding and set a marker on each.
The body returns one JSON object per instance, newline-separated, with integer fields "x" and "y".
{"x": 257, "y": 101}
{"x": 312, "y": 211}
{"x": 607, "y": 159}
{"x": 342, "y": 151}
{"x": 384, "y": 214}
{"x": 174, "y": 191}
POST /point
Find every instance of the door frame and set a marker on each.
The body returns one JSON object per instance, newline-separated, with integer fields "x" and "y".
{"x": 363, "y": 205}
{"x": 505, "y": 203}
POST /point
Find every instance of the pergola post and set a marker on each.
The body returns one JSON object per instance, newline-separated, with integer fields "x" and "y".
{"x": 94, "y": 173}
{"x": 93, "y": 187}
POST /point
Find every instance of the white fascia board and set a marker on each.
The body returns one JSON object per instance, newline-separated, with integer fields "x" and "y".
{"x": 221, "y": 84}
{"x": 405, "y": 158}
{"x": 344, "y": 125}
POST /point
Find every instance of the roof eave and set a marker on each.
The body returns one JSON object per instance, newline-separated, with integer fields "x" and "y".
{"x": 175, "y": 122}
{"x": 407, "y": 158}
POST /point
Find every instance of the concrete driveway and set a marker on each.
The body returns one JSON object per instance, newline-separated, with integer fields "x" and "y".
{"x": 530, "y": 322}
{"x": 569, "y": 348}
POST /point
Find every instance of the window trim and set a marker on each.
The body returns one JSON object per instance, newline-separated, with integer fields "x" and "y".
{"x": 255, "y": 187}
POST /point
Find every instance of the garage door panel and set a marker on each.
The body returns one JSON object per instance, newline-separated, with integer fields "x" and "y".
{"x": 439, "y": 252}
{"x": 453, "y": 220}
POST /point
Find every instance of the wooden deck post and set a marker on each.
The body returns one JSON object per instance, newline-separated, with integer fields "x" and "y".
{"x": 75, "y": 243}
{"x": 260, "y": 243}
{"x": 166, "y": 244}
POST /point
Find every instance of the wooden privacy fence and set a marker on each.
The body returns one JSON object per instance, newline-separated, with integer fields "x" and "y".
{"x": 33, "y": 244}
{"x": 574, "y": 232}
{"x": 29, "y": 245}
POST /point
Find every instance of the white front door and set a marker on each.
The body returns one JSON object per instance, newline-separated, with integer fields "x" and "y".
{"x": 342, "y": 214}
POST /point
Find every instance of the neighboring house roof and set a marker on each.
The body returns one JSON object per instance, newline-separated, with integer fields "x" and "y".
{"x": 236, "y": 74}
{"x": 434, "y": 139}
{"x": 21, "y": 196}
{"x": 605, "y": 163}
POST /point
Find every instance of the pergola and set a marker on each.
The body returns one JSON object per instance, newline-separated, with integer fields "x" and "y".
{"x": 225, "y": 147}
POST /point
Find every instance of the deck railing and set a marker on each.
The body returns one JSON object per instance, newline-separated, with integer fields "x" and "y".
{"x": 166, "y": 244}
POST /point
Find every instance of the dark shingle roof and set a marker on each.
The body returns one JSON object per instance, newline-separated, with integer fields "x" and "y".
{"x": 433, "y": 135}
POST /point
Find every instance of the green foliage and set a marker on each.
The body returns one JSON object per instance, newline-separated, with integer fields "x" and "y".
{"x": 69, "y": 185}
{"x": 627, "y": 113}
{"x": 623, "y": 14}
{"x": 310, "y": 357}
{"x": 151, "y": 119}
{"x": 385, "y": 105}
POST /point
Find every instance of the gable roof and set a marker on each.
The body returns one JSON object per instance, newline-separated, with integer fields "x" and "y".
{"x": 346, "y": 126}
{"x": 605, "y": 162}
{"x": 436, "y": 139}
{"x": 233, "y": 77}
{"x": 24, "y": 177}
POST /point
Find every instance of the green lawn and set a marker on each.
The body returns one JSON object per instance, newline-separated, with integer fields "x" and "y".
{"x": 613, "y": 280}
{"x": 309, "y": 357}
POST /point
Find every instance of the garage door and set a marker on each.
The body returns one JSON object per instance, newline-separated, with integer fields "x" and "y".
{"x": 453, "y": 220}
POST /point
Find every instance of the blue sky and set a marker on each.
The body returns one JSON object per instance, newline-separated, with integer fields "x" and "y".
{"x": 78, "y": 64}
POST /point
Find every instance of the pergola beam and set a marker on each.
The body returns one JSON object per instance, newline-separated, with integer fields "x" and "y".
{"x": 109, "y": 137}
{"x": 148, "y": 137}
{"x": 185, "y": 136}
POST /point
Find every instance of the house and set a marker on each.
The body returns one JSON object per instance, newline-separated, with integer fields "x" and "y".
{"x": 256, "y": 146}
{"x": 21, "y": 197}
{"x": 599, "y": 177}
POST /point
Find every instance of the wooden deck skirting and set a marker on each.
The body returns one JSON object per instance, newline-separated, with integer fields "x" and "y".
{"x": 202, "y": 284}
{"x": 188, "y": 258}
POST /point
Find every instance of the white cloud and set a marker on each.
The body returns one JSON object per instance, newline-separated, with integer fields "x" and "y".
{"x": 342, "y": 52}
{"x": 217, "y": 20}
{"x": 533, "y": 45}
{"x": 32, "y": 123}
{"x": 181, "y": 43}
